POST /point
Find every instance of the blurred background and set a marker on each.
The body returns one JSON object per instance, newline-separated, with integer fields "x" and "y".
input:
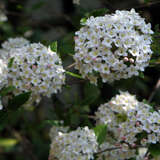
{"x": 25, "y": 136}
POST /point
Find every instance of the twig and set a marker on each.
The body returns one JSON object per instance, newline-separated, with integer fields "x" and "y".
{"x": 154, "y": 91}
{"x": 70, "y": 66}
{"x": 108, "y": 149}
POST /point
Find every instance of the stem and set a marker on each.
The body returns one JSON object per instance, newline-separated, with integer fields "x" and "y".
{"x": 154, "y": 91}
{"x": 108, "y": 149}
{"x": 70, "y": 66}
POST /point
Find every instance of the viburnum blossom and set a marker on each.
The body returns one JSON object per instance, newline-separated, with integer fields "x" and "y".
{"x": 113, "y": 46}
{"x": 3, "y": 73}
{"x": 12, "y": 43}
{"x": 34, "y": 68}
{"x": 80, "y": 144}
{"x": 130, "y": 123}
{"x": 56, "y": 129}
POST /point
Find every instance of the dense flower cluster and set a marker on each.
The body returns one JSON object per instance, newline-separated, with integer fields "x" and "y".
{"x": 113, "y": 46}
{"x": 56, "y": 129}
{"x": 130, "y": 123}
{"x": 13, "y": 43}
{"x": 76, "y": 145}
{"x": 3, "y": 73}
{"x": 34, "y": 67}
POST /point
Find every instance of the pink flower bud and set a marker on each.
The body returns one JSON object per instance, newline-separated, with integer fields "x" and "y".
{"x": 133, "y": 145}
{"x": 131, "y": 60}
{"x": 137, "y": 124}
{"x": 125, "y": 59}
{"x": 34, "y": 66}
{"x": 123, "y": 138}
{"x": 75, "y": 37}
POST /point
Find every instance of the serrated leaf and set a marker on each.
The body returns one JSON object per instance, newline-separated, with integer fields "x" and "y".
{"x": 74, "y": 75}
{"x": 53, "y": 46}
{"x": 154, "y": 149}
{"x": 19, "y": 100}
{"x": 6, "y": 90}
{"x": 101, "y": 133}
{"x": 10, "y": 62}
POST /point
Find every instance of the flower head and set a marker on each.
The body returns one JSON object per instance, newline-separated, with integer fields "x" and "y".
{"x": 113, "y": 46}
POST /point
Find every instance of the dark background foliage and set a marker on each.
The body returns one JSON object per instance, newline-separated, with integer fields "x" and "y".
{"x": 24, "y": 135}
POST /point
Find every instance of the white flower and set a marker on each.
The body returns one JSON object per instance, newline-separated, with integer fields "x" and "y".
{"x": 76, "y": 145}
{"x": 34, "y": 68}
{"x": 126, "y": 119}
{"x": 119, "y": 42}
{"x": 3, "y": 73}
{"x": 56, "y": 129}
{"x": 12, "y": 43}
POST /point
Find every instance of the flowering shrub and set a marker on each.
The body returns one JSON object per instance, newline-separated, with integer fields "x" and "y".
{"x": 46, "y": 113}
{"x": 127, "y": 119}
{"x": 113, "y": 46}
{"x": 80, "y": 144}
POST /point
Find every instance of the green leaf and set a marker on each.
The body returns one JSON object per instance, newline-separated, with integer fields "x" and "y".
{"x": 6, "y": 90}
{"x": 8, "y": 142}
{"x": 91, "y": 93}
{"x": 54, "y": 46}
{"x": 98, "y": 12}
{"x": 10, "y": 62}
{"x": 101, "y": 133}
{"x": 74, "y": 74}
{"x": 19, "y": 100}
{"x": 154, "y": 149}
{"x": 83, "y": 21}
{"x": 141, "y": 74}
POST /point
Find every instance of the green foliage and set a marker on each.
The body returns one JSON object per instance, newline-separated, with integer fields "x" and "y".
{"x": 101, "y": 133}
{"x": 53, "y": 46}
{"x": 6, "y": 90}
{"x": 66, "y": 45}
{"x": 8, "y": 142}
{"x": 19, "y": 100}
{"x": 94, "y": 13}
{"x": 154, "y": 149}
{"x": 91, "y": 94}
{"x": 74, "y": 75}
{"x": 10, "y": 62}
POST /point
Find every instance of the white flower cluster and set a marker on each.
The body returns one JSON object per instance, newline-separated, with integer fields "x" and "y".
{"x": 113, "y": 46}
{"x": 3, "y": 74}
{"x": 126, "y": 120}
{"x": 56, "y": 129}
{"x": 34, "y": 68}
{"x": 76, "y": 145}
